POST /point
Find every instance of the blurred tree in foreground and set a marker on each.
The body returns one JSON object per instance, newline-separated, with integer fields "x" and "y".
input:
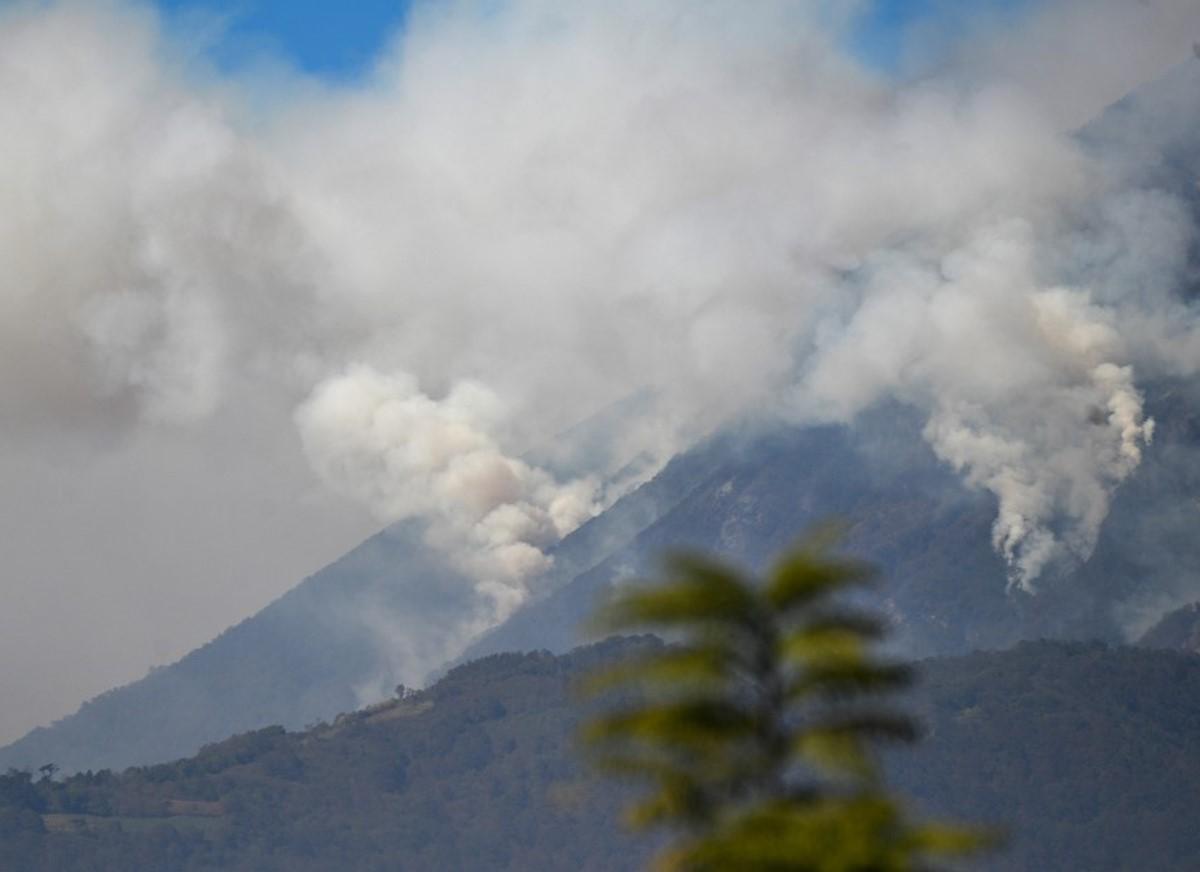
{"x": 756, "y": 729}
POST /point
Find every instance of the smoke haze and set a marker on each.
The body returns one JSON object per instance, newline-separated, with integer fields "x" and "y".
{"x": 534, "y": 210}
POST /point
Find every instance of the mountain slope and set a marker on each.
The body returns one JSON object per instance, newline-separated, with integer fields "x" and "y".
{"x": 756, "y": 493}
{"x": 380, "y": 615}
{"x": 1178, "y": 630}
{"x": 295, "y": 662}
{"x": 943, "y": 585}
{"x": 348, "y": 634}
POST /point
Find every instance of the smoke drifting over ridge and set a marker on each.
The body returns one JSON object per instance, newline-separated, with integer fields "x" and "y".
{"x": 527, "y": 215}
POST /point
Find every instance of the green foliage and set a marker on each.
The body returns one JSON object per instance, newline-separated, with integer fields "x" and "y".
{"x": 1092, "y": 755}
{"x": 757, "y": 730}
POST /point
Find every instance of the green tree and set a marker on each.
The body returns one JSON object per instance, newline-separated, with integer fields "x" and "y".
{"x": 757, "y": 728}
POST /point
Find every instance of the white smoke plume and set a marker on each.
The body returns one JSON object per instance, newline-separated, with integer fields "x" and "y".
{"x": 531, "y": 210}
{"x": 380, "y": 440}
{"x": 1026, "y": 386}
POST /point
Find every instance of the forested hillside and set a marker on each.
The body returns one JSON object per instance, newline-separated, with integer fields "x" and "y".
{"x": 1091, "y": 755}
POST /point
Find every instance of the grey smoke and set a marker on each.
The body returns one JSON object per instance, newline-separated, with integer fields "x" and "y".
{"x": 525, "y": 216}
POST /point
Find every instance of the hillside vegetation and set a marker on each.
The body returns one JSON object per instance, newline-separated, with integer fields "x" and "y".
{"x": 1090, "y": 754}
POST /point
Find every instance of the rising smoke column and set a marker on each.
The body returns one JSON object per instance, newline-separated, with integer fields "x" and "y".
{"x": 1028, "y": 389}
{"x": 380, "y": 440}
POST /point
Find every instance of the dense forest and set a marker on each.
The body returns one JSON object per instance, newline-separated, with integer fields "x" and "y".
{"x": 1089, "y": 755}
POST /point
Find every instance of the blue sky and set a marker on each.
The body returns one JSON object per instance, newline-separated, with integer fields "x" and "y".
{"x": 881, "y": 35}
{"x": 339, "y": 38}
{"x": 333, "y": 38}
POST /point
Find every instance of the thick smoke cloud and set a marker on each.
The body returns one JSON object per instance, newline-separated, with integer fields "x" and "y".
{"x": 382, "y": 441}
{"x": 139, "y": 230}
{"x": 1026, "y": 388}
{"x": 1076, "y": 57}
{"x": 533, "y": 211}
